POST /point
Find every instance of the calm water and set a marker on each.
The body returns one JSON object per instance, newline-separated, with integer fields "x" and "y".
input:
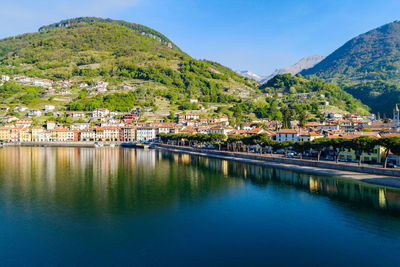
{"x": 112, "y": 206}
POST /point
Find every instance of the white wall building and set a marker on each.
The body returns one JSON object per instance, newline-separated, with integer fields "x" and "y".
{"x": 146, "y": 133}
{"x": 287, "y": 135}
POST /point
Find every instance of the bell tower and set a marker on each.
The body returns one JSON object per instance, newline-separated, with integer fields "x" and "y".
{"x": 396, "y": 122}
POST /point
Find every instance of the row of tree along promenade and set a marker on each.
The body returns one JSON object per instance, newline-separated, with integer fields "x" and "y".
{"x": 263, "y": 145}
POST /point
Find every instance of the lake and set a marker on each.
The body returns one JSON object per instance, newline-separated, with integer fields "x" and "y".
{"x": 127, "y": 207}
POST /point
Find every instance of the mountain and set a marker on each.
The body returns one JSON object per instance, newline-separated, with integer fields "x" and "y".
{"x": 304, "y": 63}
{"x": 90, "y": 50}
{"x": 251, "y": 75}
{"x": 368, "y": 58}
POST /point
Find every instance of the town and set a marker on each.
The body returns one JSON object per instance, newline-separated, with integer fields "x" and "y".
{"x": 108, "y": 126}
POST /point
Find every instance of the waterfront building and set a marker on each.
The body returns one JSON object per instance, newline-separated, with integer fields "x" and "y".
{"x": 25, "y": 135}
{"x": 87, "y": 135}
{"x": 61, "y": 135}
{"x": 128, "y": 134}
{"x": 5, "y": 134}
{"x": 146, "y": 133}
{"x": 36, "y": 132}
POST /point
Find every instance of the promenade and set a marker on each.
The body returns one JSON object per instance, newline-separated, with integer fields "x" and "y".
{"x": 369, "y": 174}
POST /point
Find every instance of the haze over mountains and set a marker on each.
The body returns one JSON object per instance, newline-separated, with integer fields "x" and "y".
{"x": 304, "y": 63}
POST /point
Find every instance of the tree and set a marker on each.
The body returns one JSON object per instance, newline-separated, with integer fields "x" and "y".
{"x": 234, "y": 140}
{"x": 340, "y": 144}
{"x": 362, "y": 145}
{"x": 389, "y": 143}
{"x": 276, "y": 145}
{"x": 303, "y": 118}
{"x": 300, "y": 147}
{"x": 286, "y": 145}
{"x": 319, "y": 145}
{"x": 286, "y": 118}
{"x": 260, "y": 139}
{"x": 217, "y": 138}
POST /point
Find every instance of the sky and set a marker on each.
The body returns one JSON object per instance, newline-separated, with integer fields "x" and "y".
{"x": 254, "y": 35}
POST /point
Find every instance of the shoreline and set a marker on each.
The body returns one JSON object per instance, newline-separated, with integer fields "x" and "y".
{"x": 376, "y": 179}
{"x": 297, "y": 165}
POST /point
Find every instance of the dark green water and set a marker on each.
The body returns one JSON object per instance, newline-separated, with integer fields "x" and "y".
{"x": 124, "y": 207}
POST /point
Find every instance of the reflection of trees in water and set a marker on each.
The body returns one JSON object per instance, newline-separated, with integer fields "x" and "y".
{"x": 105, "y": 179}
{"x": 355, "y": 202}
{"x": 360, "y": 194}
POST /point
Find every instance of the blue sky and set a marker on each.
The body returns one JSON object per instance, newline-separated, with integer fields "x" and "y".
{"x": 242, "y": 34}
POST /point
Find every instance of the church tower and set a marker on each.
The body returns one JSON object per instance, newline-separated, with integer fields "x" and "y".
{"x": 396, "y": 120}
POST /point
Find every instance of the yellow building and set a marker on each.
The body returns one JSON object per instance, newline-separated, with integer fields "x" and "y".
{"x": 5, "y": 134}
{"x": 61, "y": 135}
{"x": 128, "y": 134}
{"x": 25, "y": 135}
{"x": 36, "y": 133}
{"x": 377, "y": 155}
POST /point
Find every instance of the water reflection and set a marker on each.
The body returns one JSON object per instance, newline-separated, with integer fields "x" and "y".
{"x": 102, "y": 180}
{"x": 116, "y": 180}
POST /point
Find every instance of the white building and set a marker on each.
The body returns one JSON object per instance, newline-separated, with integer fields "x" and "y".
{"x": 287, "y": 135}
{"x": 80, "y": 126}
{"x": 24, "y": 122}
{"x": 76, "y": 114}
{"x": 35, "y": 113}
{"x": 146, "y": 133}
{"x": 50, "y": 125}
{"x": 20, "y": 109}
{"x": 100, "y": 113}
{"x": 5, "y": 78}
{"x": 49, "y": 108}
{"x": 220, "y": 130}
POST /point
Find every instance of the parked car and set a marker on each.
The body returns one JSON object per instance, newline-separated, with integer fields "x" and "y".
{"x": 391, "y": 165}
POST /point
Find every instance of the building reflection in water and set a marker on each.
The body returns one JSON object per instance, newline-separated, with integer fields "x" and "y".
{"x": 117, "y": 180}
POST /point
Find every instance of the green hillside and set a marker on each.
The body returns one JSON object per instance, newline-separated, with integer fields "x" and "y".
{"x": 143, "y": 68}
{"x": 92, "y": 49}
{"x": 297, "y": 89}
{"x": 360, "y": 63}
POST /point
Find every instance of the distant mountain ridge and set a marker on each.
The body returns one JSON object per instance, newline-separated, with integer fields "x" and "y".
{"x": 304, "y": 63}
{"x": 250, "y": 75}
